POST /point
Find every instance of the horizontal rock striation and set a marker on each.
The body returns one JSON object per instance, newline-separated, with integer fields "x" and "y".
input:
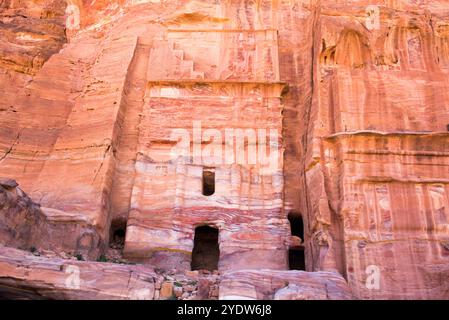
{"x": 377, "y": 162}
{"x": 283, "y": 285}
{"x": 25, "y": 276}
{"x": 352, "y": 96}
{"x": 31, "y": 32}
{"x": 29, "y": 276}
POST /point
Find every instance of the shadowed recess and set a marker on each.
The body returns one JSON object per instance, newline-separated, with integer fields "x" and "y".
{"x": 208, "y": 181}
{"x": 205, "y": 252}
{"x": 296, "y": 256}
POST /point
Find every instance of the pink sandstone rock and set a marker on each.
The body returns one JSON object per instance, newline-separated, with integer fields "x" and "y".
{"x": 283, "y": 285}
{"x": 67, "y": 279}
{"x": 357, "y": 91}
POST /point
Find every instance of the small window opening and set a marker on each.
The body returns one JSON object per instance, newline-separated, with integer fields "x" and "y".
{"x": 206, "y": 252}
{"x": 296, "y": 255}
{"x": 208, "y": 181}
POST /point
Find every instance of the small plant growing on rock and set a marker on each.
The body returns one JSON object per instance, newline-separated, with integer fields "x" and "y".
{"x": 102, "y": 258}
{"x": 79, "y": 257}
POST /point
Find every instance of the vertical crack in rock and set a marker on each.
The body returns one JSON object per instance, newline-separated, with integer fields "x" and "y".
{"x": 108, "y": 148}
{"x": 16, "y": 141}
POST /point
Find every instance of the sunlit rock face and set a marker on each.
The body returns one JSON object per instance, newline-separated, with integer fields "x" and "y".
{"x": 31, "y": 32}
{"x": 349, "y": 98}
{"x": 283, "y": 285}
{"x": 378, "y": 166}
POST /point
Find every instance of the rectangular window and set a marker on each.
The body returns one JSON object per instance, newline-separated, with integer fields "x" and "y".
{"x": 208, "y": 181}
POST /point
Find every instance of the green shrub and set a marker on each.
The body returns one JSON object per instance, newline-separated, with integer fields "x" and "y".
{"x": 79, "y": 257}
{"x": 102, "y": 258}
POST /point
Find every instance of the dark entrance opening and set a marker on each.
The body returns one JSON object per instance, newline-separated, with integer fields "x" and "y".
{"x": 118, "y": 234}
{"x": 205, "y": 252}
{"x": 208, "y": 181}
{"x": 296, "y": 255}
{"x": 296, "y": 259}
{"x": 296, "y": 225}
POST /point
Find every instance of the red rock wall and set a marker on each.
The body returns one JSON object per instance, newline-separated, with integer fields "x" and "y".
{"x": 27, "y": 226}
{"x": 364, "y": 130}
{"x": 31, "y": 32}
{"x": 377, "y": 166}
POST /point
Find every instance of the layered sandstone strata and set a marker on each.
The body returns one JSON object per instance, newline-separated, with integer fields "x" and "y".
{"x": 67, "y": 279}
{"x": 377, "y": 169}
{"x": 30, "y": 32}
{"x": 358, "y": 94}
{"x": 283, "y": 285}
{"x": 56, "y": 278}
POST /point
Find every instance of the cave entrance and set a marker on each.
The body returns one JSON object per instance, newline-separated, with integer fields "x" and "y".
{"x": 296, "y": 259}
{"x": 296, "y": 255}
{"x": 117, "y": 234}
{"x": 206, "y": 251}
{"x": 208, "y": 181}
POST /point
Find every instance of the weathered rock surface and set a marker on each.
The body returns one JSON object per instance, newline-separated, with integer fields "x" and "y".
{"x": 30, "y": 32}
{"x": 25, "y": 276}
{"x": 377, "y": 162}
{"x": 24, "y": 224}
{"x": 361, "y": 105}
{"x": 283, "y": 285}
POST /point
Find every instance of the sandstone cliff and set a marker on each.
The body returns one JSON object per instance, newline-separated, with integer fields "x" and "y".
{"x": 358, "y": 90}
